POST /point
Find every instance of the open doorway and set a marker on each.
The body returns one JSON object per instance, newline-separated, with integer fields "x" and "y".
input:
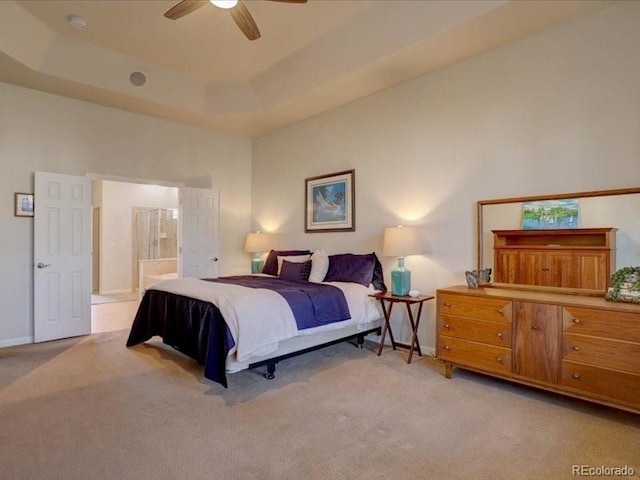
{"x": 135, "y": 242}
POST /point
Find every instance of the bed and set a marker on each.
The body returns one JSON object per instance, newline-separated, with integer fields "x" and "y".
{"x": 301, "y": 301}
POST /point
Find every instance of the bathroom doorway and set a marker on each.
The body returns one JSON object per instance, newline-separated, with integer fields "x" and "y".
{"x": 131, "y": 222}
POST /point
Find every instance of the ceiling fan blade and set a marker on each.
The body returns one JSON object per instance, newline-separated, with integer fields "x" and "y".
{"x": 184, "y": 7}
{"x": 245, "y": 21}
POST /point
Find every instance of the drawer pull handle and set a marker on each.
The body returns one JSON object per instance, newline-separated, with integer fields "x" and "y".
{"x": 576, "y": 376}
{"x": 447, "y": 347}
{"x": 447, "y": 304}
{"x": 500, "y": 312}
{"x": 576, "y": 320}
{"x": 499, "y": 359}
{"x": 500, "y": 334}
{"x": 447, "y": 326}
{"x": 535, "y": 327}
{"x": 577, "y": 349}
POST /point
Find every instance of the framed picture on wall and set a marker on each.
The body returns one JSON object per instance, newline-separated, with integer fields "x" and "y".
{"x": 330, "y": 203}
{"x": 23, "y": 205}
{"x": 550, "y": 214}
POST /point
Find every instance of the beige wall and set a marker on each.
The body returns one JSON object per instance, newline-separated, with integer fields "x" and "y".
{"x": 556, "y": 112}
{"x": 39, "y": 131}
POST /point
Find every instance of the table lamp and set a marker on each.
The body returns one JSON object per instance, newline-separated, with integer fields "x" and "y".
{"x": 401, "y": 242}
{"x": 257, "y": 243}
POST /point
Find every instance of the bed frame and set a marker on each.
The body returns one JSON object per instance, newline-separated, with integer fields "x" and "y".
{"x": 271, "y": 363}
{"x": 207, "y": 338}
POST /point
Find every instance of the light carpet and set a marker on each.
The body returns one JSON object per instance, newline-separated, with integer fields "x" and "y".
{"x": 89, "y": 408}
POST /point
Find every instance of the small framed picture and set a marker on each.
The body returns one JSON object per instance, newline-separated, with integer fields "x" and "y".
{"x": 550, "y": 214}
{"x": 330, "y": 203}
{"x": 24, "y": 205}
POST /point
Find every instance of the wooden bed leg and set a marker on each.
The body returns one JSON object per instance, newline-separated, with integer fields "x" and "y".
{"x": 271, "y": 368}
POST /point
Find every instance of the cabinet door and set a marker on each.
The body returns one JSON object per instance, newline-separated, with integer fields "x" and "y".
{"x": 537, "y": 341}
{"x": 560, "y": 268}
{"x": 532, "y": 266}
{"x": 506, "y": 267}
{"x": 546, "y": 268}
{"x": 590, "y": 270}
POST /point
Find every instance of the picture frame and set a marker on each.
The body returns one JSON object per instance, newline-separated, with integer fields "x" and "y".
{"x": 551, "y": 214}
{"x": 23, "y": 204}
{"x": 330, "y": 203}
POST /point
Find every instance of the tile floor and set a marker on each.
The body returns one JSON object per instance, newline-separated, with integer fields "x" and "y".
{"x": 107, "y": 317}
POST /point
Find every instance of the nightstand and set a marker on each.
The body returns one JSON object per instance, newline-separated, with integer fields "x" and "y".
{"x": 387, "y": 301}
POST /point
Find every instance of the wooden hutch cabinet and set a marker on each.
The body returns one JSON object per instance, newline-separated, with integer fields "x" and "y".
{"x": 572, "y": 258}
{"x": 577, "y": 345}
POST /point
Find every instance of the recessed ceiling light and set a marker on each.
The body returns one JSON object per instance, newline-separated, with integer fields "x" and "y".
{"x": 77, "y": 22}
{"x": 138, "y": 79}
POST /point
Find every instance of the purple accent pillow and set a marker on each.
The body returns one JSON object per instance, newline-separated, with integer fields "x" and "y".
{"x": 348, "y": 267}
{"x": 378, "y": 275}
{"x": 271, "y": 263}
{"x": 295, "y": 270}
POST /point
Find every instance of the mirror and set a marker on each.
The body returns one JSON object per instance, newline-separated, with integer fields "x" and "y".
{"x": 603, "y": 208}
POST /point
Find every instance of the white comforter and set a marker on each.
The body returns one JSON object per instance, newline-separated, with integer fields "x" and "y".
{"x": 259, "y": 318}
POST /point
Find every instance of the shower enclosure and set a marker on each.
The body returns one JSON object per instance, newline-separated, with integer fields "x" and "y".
{"x": 155, "y": 236}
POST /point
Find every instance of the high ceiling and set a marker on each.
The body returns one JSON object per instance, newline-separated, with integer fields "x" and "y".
{"x": 202, "y": 70}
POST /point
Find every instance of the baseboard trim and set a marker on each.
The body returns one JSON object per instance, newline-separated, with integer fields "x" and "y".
{"x": 115, "y": 292}
{"x": 12, "y": 342}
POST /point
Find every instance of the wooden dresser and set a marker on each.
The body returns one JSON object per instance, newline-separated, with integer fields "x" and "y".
{"x": 577, "y": 345}
{"x": 572, "y": 258}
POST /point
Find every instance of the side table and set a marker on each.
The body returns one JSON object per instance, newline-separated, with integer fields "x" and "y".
{"x": 387, "y": 301}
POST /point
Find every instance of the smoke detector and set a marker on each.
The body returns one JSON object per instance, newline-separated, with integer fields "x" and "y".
{"x": 77, "y": 22}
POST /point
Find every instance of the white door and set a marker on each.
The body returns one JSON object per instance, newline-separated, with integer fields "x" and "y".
{"x": 61, "y": 256}
{"x": 199, "y": 233}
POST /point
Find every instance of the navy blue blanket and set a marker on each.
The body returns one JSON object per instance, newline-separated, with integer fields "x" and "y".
{"x": 193, "y": 327}
{"x": 312, "y": 304}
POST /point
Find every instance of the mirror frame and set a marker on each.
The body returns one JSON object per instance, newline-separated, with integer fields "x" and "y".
{"x": 558, "y": 196}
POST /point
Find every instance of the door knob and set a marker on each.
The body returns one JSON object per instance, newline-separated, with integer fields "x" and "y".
{"x": 43, "y": 265}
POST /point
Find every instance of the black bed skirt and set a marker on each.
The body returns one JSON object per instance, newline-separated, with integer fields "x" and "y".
{"x": 193, "y": 327}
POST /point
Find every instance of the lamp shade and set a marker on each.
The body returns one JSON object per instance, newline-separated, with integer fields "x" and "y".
{"x": 257, "y": 243}
{"x": 401, "y": 241}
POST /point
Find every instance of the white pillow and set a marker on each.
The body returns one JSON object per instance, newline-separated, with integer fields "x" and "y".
{"x": 319, "y": 266}
{"x": 293, "y": 259}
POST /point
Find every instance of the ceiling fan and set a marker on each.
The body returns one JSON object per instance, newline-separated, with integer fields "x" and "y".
{"x": 236, "y": 8}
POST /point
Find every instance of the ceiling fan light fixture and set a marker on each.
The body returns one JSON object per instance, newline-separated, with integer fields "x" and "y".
{"x": 226, "y": 4}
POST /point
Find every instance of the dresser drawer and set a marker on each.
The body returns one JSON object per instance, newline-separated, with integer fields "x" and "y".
{"x": 602, "y": 323}
{"x": 472, "y": 354}
{"x": 611, "y": 384}
{"x": 602, "y": 352}
{"x": 482, "y": 308}
{"x": 493, "y": 333}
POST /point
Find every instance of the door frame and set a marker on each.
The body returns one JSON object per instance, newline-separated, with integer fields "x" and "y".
{"x": 96, "y": 246}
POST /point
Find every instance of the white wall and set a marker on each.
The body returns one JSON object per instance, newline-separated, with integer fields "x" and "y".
{"x": 39, "y": 131}
{"x": 118, "y": 200}
{"x": 555, "y": 112}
